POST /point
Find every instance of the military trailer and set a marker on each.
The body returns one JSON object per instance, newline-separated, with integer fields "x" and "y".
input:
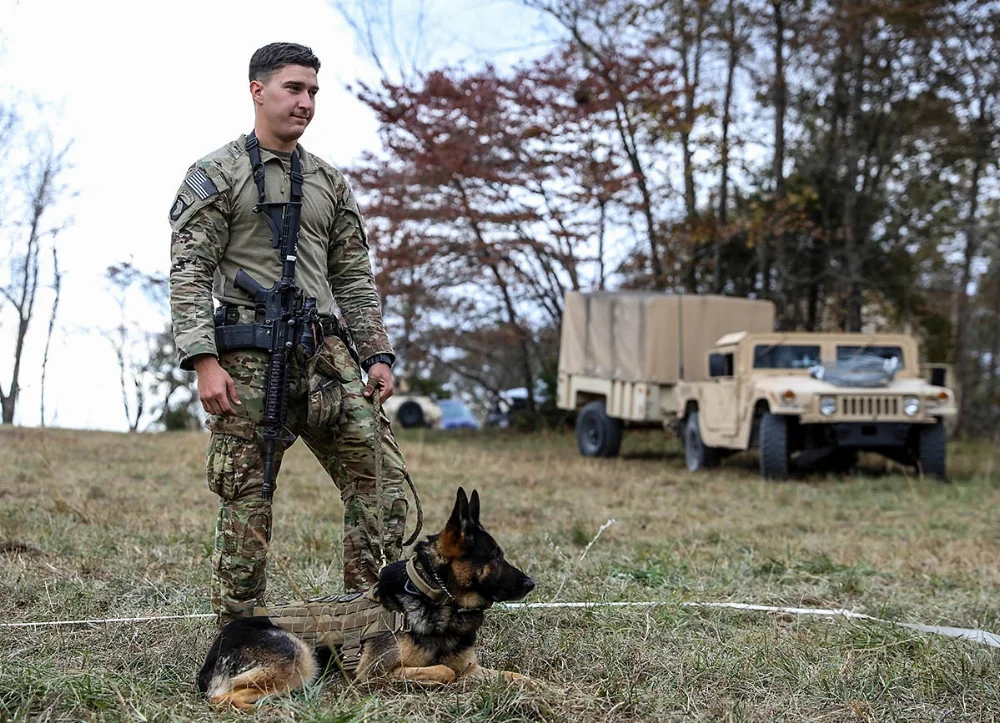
{"x": 622, "y": 355}
{"x": 712, "y": 369}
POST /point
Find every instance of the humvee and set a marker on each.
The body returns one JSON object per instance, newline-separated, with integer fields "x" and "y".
{"x": 711, "y": 368}
{"x": 808, "y": 399}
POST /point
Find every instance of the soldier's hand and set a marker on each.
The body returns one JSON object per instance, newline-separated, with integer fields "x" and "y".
{"x": 381, "y": 375}
{"x": 216, "y": 388}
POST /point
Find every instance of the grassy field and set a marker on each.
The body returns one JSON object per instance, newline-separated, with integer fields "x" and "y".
{"x": 97, "y": 525}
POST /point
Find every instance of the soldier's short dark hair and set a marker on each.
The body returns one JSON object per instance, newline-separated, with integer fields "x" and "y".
{"x": 275, "y": 56}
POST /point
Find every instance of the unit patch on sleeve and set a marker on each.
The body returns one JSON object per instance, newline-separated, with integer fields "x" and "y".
{"x": 181, "y": 204}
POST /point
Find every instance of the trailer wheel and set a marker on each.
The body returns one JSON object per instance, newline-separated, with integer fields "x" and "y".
{"x": 410, "y": 414}
{"x": 933, "y": 450}
{"x": 775, "y": 459}
{"x": 696, "y": 455}
{"x": 597, "y": 434}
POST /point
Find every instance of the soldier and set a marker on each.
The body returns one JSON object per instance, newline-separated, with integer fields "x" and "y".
{"x": 215, "y": 233}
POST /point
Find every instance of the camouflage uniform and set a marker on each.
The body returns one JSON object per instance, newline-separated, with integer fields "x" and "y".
{"x": 216, "y": 233}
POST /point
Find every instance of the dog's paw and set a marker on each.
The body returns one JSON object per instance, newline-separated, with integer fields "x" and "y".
{"x": 429, "y": 675}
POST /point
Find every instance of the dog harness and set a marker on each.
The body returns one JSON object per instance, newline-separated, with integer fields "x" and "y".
{"x": 347, "y": 621}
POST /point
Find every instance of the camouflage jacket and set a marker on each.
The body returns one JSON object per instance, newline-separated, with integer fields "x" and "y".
{"x": 215, "y": 233}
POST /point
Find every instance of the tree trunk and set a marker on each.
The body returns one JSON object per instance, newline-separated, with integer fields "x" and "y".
{"x": 963, "y": 371}
{"x": 853, "y": 240}
{"x": 993, "y": 398}
{"x": 691, "y": 72}
{"x": 724, "y": 151}
{"x": 627, "y": 134}
{"x": 57, "y": 287}
{"x": 40, "y": 177}
{"x": 779, "y": 98}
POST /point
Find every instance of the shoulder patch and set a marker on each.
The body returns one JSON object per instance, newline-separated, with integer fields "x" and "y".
{"x": 181, "y": 203}
{"x": 200, "y": 184}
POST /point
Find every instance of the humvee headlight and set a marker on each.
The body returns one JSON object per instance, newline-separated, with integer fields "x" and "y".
{"x": 828, "y": 406}
{"x": 911, "y": 405}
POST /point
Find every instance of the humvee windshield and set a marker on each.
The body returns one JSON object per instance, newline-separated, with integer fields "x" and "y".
{"x": 785, "y": 356}
{"x": 844, "y": 353}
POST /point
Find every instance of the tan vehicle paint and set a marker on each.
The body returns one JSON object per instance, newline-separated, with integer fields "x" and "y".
{"x": 689, "y": 362}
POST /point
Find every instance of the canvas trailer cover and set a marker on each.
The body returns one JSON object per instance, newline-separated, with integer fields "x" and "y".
{"x": 651, "y": 337}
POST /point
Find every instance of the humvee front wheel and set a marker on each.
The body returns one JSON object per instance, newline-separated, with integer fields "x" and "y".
{"x": 597, "y": 434}
{"x": 696, "y": 455}
{"x": 775, "y": 459}
{"x": 932, "y": 451}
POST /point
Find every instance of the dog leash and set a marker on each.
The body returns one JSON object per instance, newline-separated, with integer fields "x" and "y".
{"x": 379, "y": 461}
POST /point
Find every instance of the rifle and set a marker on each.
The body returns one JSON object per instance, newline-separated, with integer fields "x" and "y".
{"x": 290, "y": 320}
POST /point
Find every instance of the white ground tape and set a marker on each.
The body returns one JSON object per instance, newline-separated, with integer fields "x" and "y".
{"x": 977, "y": 636}
{"x": 98, "y": 621}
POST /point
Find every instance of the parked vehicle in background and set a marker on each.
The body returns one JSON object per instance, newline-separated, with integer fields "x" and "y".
{"x": 622, "y": 355}
{"x": 412, "y": 410}
{"x": 456, "y": 415}
{"x": 510, "y": 403}
{"x": 711, "y": 368}
{"x": 809, "y": 399}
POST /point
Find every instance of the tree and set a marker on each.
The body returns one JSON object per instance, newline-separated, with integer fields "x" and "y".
{"x": 836, "y": 157}
{"x": 489, "y": 183}
{"x": 970, "y": 70}
{"x": 175, "y": 405}
{"x": 135, "y": 348}
{"x": 635, "y": 75}
{"x": 33, "y": 170}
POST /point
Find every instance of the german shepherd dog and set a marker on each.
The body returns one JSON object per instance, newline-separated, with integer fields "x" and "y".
{"x": 442, "y": 591}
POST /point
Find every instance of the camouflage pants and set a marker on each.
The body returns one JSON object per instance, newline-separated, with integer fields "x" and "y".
{"x": 337, "y": 423}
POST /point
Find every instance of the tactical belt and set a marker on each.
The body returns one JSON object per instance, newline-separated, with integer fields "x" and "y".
{"x": 237, "y": 327}
{"x": 344, "y": 621}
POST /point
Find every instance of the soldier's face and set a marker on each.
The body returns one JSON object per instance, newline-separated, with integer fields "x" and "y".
{"x": 287, "y": 100}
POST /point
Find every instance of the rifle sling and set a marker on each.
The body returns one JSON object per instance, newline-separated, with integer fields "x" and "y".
{"x": 254, "y": 335}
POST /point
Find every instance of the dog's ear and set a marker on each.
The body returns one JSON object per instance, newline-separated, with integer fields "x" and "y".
{"x": 474, "y": 507}
{"x": 460, "y": 514}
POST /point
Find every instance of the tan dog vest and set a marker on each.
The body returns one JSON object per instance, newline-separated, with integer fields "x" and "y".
{"x": 344, "y": 621}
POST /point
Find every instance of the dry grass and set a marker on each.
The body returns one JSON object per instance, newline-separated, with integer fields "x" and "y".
{"x": 104, "y": 525}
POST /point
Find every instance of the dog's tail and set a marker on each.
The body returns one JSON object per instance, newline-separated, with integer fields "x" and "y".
{"x": 251, "y": 658}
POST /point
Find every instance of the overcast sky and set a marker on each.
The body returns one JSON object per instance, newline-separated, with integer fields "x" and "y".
{"x": 145, "y": 87}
